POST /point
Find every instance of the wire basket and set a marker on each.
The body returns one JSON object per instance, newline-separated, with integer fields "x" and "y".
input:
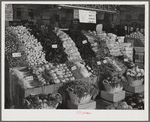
{"x": 76, "y": 100}
{"x": 111, "y": 89}
{"x": 133, "y": 81}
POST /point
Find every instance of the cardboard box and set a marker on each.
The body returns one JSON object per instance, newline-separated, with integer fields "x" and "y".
{"x": 137, "y": 89}
{"x": 90, "y": 105}
{"x": 116, "y": 97}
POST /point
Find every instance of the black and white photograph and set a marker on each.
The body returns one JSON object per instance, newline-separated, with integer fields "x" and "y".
{"x": 75, "y": 60}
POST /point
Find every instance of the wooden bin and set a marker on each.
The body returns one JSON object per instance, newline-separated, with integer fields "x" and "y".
{"x": 23, "y": 93}
{"x": 137, "y": 89}
{"x": 116, "y": 97}
{"x": 89, "y": 105}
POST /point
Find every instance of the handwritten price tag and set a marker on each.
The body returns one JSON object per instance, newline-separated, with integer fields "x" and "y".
{"x": 98, "y": 63}
{"x": 16, "y": 55}
{"x": 54, "y": 46}
{"x": 29, "y": 78}
{"x": 125, "y": 59}
{"x": 104, "y": 61}
{"x": 84, "y": 42}
{"x": 73, "y": 68}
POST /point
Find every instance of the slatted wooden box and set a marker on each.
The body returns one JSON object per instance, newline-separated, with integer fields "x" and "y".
{"x": 137, "y": 89}
{"x": 90, "y": 105}
{"x": 116, "y": 97}
{"x": 21, "y": 93}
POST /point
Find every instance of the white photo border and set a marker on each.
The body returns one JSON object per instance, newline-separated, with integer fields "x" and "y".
{"x": 71, "y": 115}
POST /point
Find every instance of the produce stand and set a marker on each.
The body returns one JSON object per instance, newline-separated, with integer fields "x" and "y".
{"x": 80, "y": 69}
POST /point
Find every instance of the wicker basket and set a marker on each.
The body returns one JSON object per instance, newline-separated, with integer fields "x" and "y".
{"x": 135, "y": 82}
{"x": 111, "y": 89}
{"x": 76, "y": 100}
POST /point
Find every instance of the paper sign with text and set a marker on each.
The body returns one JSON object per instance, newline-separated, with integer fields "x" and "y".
{"x": 87, "y": 16}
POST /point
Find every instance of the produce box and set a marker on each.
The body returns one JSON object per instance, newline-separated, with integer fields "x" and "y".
{"x": 139, "y": 49}
{"x": 137, "y": 89}
{"x": 140, "y": 65}
{"x": 76, "y": 73}
{"x": 135, "y": 42}
{"x": 102, "y": 104}
{"x": 90, "y": 105}
{"x": 21, "y": 93}
{"x": 139, "y": 57}
{"x": 116, "y": 97}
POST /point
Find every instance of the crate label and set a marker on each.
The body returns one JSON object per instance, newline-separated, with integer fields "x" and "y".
{"x": 29, "y": 78}
{"x": 98, "y": 63}
{"x": 73, "y": 68}
{"x": 84, "y": 42}
{"x": 16, "y": 55}
{"x": 54, "y": 46}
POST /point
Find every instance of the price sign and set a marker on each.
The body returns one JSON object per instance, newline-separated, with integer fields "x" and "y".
{"x": 16, "y": 55}
{"x": 76, "y": 14}
{"x": 29, "y": 78}
{"x": 104, "y": 61}
{"x": 125, "y": 59}
{"x": 84, "y": 42}
{"x": 87, "y": 16}
{"x": 54, "y": 46}
{"x": 98, "y": 63}
{"x": 73, "y": 68}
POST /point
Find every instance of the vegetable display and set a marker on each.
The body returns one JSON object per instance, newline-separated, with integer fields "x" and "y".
{"x": 43, "y": 101}
{"x": 120, "y": 106}
{"x": 52, "y": 46}
{"x": 113, "y": 84}
{"x": 135, "y": 76}
{"x": 135, "y": 72}
{"x": 26, "y": 79}
{"x": 136, "y": 101}
{"x": 70, "y": 47}
{"x": 14, "y": 54}
{"x": 53, "y": 73}
{"x": 98, "y": 44}
{"x": 83, "y": 45}
{"x": 29, "y": 45}
{"x": 81, "y": 89}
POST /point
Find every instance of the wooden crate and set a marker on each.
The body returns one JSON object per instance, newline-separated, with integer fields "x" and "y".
{"x": 116, "y": 97}
{"x": 23, "y": 93}
{"x": 135, "y": 42}
{"x": 139, "y": 49}
{"x": 137, "y": 89}
{"x": 102, "y": 104}
{"x": 90, "y": 105}
{"x": 139, "y": 57}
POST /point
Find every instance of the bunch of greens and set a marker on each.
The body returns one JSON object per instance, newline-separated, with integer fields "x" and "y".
{"x": 82, "y": 89}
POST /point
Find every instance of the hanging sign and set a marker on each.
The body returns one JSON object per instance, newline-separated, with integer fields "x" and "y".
{"x": 87, "y": 16}
{"x": 8, "y": 12}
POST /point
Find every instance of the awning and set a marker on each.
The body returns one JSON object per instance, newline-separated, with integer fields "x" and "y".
{"x": 95, "y": 7}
